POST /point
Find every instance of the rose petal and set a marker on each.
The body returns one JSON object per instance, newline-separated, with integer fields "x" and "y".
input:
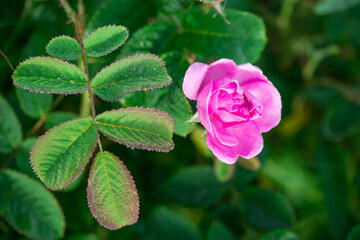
{"x": 224, "y": 153}
{"x": 250, "y": 140}
{"x": 193, "y": 80}
{"x": 223, "y": 68}
{"x": 220, "y": 132}
{"x": 203, "y": 107}
{"x": 248, "y": 72}
{"x": 270, "y": 99}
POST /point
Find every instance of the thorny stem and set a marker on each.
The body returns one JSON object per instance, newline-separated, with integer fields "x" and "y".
{"x": 79, "y": 34}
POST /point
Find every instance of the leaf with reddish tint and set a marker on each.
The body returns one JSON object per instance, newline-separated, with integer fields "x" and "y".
{"x": 141, "y": 128}
{"x": 111, "y": 192}
{"x": 59, "y": 156}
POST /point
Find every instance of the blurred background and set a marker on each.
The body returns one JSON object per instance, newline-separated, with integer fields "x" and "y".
{"x": 304, "y": 185}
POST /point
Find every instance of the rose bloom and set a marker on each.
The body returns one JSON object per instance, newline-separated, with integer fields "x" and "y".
{"x": 235, "y": 104}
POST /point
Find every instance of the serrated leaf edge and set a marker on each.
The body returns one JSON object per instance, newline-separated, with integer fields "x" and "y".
{"x": 62, "y": 36}
{"x": 52, "y": 196}
{"x": 112, "y": 49}
{"x": 52, "y": 92}
{"x": 152, "y": 110}
{"x": 135, "y": 89}
{"x": 76, "y": 175}
{"x": 91, "y": 206}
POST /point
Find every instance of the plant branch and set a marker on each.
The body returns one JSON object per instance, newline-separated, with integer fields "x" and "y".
{"x": 7, "y": 60}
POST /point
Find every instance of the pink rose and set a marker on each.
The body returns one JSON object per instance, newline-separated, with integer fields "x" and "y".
{"x": 235, "y": 105}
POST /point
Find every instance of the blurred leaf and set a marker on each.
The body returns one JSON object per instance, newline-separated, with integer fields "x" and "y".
{"x": 354, "y": 233}
{"x": 22, "y": 158}
{"x": 105, "y": 40}
{"x": 85, "y": 236}
{"x": 44, "y": 74}
{"x": 333, "y": 6}
{"x": 10, "y": 128}
{"x": 129, "y": 13}
{"x": 243, "y": 40}
{"x": 331, "y": 170}
{"x": 280, "y": 234}
{"x": 55, "y": 118}
{"x": 149, "y": 39}
{"x": 33, "y": 104}
{"x": 195, "y": 186}
{"x": 322, "y": 95}
{"x": 111, "y": 192}
{"x": 223, "y": 171}
{"x": 211, "y": 1}
{"x": 60, "y": 155}
{"x": 138, "y": 72}
{"x": 141, "y": 128}
{"x": 64, "y": 47}
{"x": 252, "y": 164}
{"x": 341, "y": 120}
{"x": 72, "y": 186}
{"x": 218, "y": 230}
{"x": 174, "y": 6}
{"x": 33, "y": 210}
{"x": 198, "y": 137}
{"x": 5, "y": 193}
{"x": 265, "y": 209}
{"x": 168, "y": 225}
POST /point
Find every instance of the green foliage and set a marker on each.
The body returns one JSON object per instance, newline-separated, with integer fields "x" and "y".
{"x": 105, "y": 40}
{"x": 195, "y": 186}
{"x": 5, "y": 193}
{"x": 354, "y": 233}
{"x": 223, "y": 171}
{"x": 139, "y": 72}
{"x": 280, "y": 234}
{"x": 109, "y": 177}
{"x": 33, "y": 104}
{"x": 243, "y": 40}
{"x": 174, "y": 6}
{"x": 64, "y": 47}
{"x": 43, "y": 74}
{"x": 265, "y": 209}
{"x": 333, "y": 6}
{"x": 22, "y": 158}
{"x": 218, "y": 230}
{"x": 167, "y": 224}
{"x": 10, "y": 128}
{"x": 141, "y": 128}
{"x": 55, "y": 118}
{"x": 32, "y": 209}
{"x": 60, "y": 155}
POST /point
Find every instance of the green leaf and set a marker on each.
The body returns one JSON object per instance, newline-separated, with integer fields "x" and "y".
{"x": 265, "y": 209}
{"x": 33, "y": 210}
{"x": 138, "y": 72}
{"x": 243, "y": 40}
{"x": 22, "y": 158}
{"x": 44, "y": 74}
{"x": 333, "y": 6}
{"x": 85, "y": 236}
{"x": 10, "y": 128}
{"x": 170, "y": 7}
{"x": 33, "y": 104}
{"x": 141, "y": 128}
{"x": 5, "y": 194}
{"x": 209, "y": 1}
{"x": 195, "y": 186}
{"x": 223, "y": 171}
{"x": 341, "y": 120}
{"x": 111, "y": 192}
{"x": 64, "y": 47}
{"x": 218, "y": 230}
{"x": 105, "y": 40}
{"x": 149, "y": 39}
{"x": 354, "y": 233}
{"x": 167, "y": 224}
{"x": 59, "y": 156}
{"x": 55, "y": 118}
{"x": 280, "y": 234}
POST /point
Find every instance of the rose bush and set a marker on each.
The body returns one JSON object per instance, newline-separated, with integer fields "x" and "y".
{"x": 235, "y": 104}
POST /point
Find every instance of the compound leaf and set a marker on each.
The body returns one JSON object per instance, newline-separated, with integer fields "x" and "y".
{"x": 44, "y": 74}
{"x": 105, "y": 40}
{"x": 111, "y": 192}
{"x": 59, "y": 156}
{"x": 10, "y": 128}
{"x": 141, "y": 128}
{"x": 64, "y": 47}
{"x": 33, "y": 104}
{"x": 32, "y": 210}
{"x": 138, "y": 72}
